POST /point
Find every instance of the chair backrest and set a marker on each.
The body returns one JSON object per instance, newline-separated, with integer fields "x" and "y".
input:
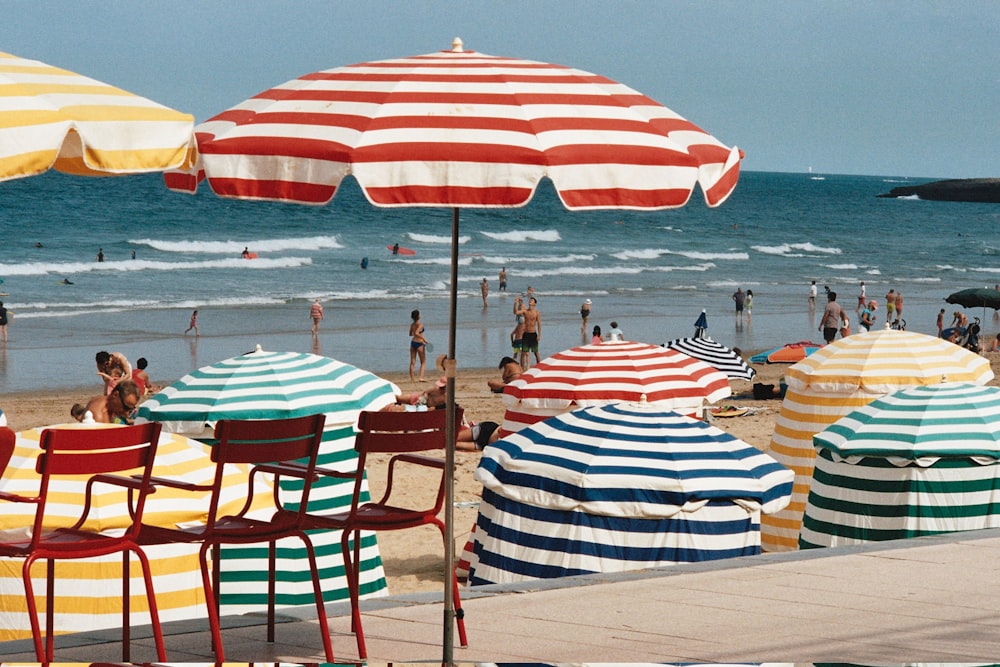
{"x": 398, "y": 432}
{"x": 262, "y": 441}
{"x": 79, "y": 451}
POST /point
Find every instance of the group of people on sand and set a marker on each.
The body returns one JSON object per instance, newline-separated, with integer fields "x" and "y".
{"x": 124, "y": 389}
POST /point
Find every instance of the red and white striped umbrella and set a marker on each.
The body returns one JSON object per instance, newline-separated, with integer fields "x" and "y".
{"x": 459, "y": 129}
{"x": 601, "y": 373}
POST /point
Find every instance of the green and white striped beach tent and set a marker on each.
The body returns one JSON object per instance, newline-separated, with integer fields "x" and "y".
{"x": 271, "y": 385}
{"x": 920, "y": 461}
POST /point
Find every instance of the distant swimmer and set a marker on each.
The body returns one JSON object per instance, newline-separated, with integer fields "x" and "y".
{"x": 66, "y": 281}
{"x": 39, "y": 245}
{"x": 395, "y": 249}
{"x": 246, "y": 252}
{"x": 364, "y": 262}
{"x": 100, "y": 254}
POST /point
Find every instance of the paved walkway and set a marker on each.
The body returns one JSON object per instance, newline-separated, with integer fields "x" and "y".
{"x": 926, "y": 600}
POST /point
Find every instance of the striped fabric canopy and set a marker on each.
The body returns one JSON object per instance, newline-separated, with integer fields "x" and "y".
{"x": 53, "y": 118}
{"x": 920, "y": 461}
{"x": 271, "y": 385}
{"x": 85, "y": 603}
{"x": 268, "y": 385}
{"x": 714, "y": 354}
{"x": 619, "y": 487}
{"x": 600, "y": 373}
{"x": 460, "y": 129}
{"x": 920, "y": 424}
{"x": 841, "y": 377}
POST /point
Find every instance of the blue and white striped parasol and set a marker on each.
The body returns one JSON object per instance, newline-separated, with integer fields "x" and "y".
{"x": 715, "y": 355}
{"x": 619, "y": 487}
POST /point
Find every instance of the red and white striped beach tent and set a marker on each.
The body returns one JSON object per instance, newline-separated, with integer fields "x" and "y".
{"x": 602, "y": 373}
{"x": 459, "y": 129}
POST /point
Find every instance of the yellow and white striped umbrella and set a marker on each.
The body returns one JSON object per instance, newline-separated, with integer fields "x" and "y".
{"x": 88, "y": 592}
{"x": 54, "y": 118}
{"x": 840, "y": 378}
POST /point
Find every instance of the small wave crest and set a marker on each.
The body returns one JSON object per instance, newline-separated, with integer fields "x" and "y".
{"x": 795, "y": 249}
{"x": 524, "y": 235}
{"x": 74, "y": 268}
{"x": 236, "y": 247}
{"x": 435, "y": 238}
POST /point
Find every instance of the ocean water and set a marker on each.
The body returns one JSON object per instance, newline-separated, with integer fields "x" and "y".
{"x": 652, "y": 272}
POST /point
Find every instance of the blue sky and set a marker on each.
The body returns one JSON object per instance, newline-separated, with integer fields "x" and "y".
{"x": 885, "y": 88}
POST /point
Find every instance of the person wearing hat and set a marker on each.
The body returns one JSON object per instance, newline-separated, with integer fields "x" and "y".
{"x": 585, "y": 314}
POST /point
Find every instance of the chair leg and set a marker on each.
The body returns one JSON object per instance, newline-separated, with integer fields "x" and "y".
{"x": 272, "y": 557}
{"x": 352, "y": 573}
{"x": 324, "y": 626}
{"x": 126, "y": 610}
{"x": 50, "y": 607}
{"x": 211, "y": 602}
{"x": 154, "y": 614}
{"x": 29, "y": 593}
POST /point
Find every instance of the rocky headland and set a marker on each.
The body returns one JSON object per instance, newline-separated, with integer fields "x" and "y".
{"x": 959, "y": 189}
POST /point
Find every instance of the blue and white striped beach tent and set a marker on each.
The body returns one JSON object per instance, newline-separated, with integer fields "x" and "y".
{"x": 919, "y": 461}
{"x": 272, "y": 385}
{"x": 619, "y": 487}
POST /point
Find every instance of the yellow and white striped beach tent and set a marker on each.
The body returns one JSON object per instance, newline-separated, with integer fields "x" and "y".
{"x": 88, "y": 592}
{"x": 836, "y": 380}
{"x": 51, "y": 118}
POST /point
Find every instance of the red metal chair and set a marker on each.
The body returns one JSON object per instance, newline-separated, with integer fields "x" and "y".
{"x": 99, "y": 453}
{"x": 278, "y": 447}
{"x": 401, "y": 434}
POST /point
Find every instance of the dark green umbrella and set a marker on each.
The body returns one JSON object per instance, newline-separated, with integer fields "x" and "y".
{"x": 976, "y": 297}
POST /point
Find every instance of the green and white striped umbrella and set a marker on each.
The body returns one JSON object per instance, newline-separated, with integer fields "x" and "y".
{"x": 267, "y": 385}
{"x": 272, "y": 385}
{"x": 920, "y": 461}
{"x": 921, "y": 424}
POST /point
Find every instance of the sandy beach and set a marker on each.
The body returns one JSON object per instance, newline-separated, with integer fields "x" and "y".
{"x": 412, "y": 558}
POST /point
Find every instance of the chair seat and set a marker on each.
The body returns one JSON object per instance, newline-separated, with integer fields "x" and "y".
{"x": 68, "y": 543}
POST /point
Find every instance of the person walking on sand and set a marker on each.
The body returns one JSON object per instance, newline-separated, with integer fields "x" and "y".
{"x": 833, "y": 318}
{"x": 867, "y": 320}
{"x": 193, "y": 324}
{"x": 739, "y": 298}
{"x": 484, "y": 289}
{"x": 418, "y": 345}
{"x": 316, "y": 313}
{"x": 940, "y": 323}
{"x": 862, "y": 299}
{"x": 502, "y": 278}
{"x": 890, "y": 306}
{"x": 899, "y": 306}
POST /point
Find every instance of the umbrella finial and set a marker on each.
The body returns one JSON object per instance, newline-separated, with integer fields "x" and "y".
{"x": 258, "y": 348}
{"x": 88, "y": 418}
{"x": 642, "y": 400}
{"x": 456, "y": 45}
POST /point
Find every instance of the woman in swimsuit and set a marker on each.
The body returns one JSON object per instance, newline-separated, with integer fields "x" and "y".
{"x": 418, "y": 345}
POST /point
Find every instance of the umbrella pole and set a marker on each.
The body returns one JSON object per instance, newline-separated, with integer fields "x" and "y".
{"x": 448, "y": 641}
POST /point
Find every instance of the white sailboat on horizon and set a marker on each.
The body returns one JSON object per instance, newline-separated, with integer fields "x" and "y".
{"x": 815, "y": 177}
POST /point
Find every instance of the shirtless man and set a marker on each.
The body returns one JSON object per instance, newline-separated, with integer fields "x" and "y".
{"x": 532, "y": 330}
{"x": 118, "y": 406}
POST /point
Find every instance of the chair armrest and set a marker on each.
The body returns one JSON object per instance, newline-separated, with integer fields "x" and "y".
{"x": 419, "y": 459}
{"x": 134, "y": 482}
{"x": 284, "y": 469}
{"x": 15, "y": 498}
{"x": 327, "y": 472}
{"x": 175, "y": 484}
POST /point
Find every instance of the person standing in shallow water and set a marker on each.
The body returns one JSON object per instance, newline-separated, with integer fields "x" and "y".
{"x": 316, "y": 313}
{"x": 502, "y": 278}
{"x": 193, "y": 324}
{"x": 739, "y": 298}
{"x": 418, "y": 345}
{"x": 833, "y": 318}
